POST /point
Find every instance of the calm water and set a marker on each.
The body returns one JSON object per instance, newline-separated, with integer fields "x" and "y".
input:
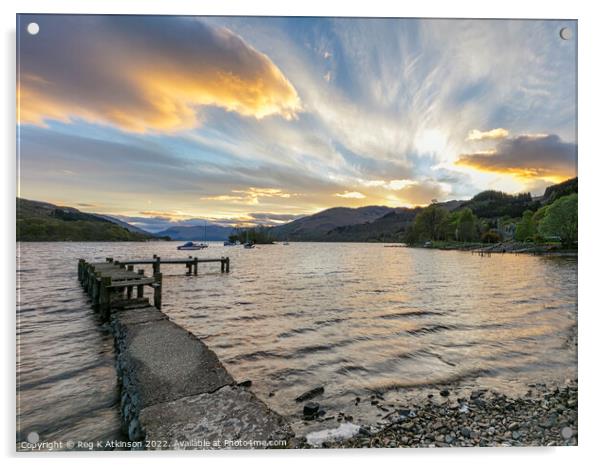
{"x": 354, "y": 318}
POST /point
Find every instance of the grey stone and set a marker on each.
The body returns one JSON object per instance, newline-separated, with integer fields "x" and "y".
{"x": 311, "y": 409}
{"x": 164, "y": 362}
{"x": 230, "y": 414}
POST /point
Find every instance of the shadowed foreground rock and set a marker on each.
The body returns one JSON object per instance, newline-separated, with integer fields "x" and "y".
{"x": 176, "y": 393}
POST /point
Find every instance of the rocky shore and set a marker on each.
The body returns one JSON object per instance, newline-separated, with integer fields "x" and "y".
{"x": 511, "y": 247}
{"x": 544, "y": 416}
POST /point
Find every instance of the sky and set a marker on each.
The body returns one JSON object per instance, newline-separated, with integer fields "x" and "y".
{"x": 167, "y": 120}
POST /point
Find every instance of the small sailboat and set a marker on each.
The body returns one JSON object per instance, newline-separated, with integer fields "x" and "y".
{"x": 204, "y": 243}
{"x": 249, "y": 244}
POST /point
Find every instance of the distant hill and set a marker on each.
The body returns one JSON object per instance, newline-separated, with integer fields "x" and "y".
{"x": 558, "y": 190}
{"x": 496, "y": 204}
{"x": 42, "y": 221}
{"x": 315, "y": 227}
{"x": 388, "y": 228}
{"x": 127, "y": 226}
{"x": 197, "y": 233}
{"x": 384, "y": 224}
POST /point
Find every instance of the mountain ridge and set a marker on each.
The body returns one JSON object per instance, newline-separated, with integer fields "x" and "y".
{"x": 43, "y": 221}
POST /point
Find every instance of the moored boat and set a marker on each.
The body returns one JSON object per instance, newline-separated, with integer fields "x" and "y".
{"x": 191, "y": 246}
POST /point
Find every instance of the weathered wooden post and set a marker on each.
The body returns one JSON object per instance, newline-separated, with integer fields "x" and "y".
{"x": 80, "y": 269}
{"x": 156, "y": 265}
{"x": 95, "y": 294}
{"x": 227, "y": 265}
{"x": 158, "y": 285}
{"x": 140, "y": 288}
{"x": 130, "y": 289}
{"x": 105, "y": 298}
{"x": 223, "y": 263}
{"x": 91, "y": 278}
{"x": 196, "y": 265}
{"x": 84, "y": 275}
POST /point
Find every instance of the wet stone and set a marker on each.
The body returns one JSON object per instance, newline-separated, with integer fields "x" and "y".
{"x": 311, "y": 409}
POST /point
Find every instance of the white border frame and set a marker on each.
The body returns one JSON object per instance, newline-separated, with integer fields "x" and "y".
{"x": 590, "y": 321}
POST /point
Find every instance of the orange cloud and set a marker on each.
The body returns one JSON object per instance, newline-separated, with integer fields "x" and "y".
{"x": 528, "y": 157}
{"x": 249, "y": 196}
{"x": 141, "y": 74}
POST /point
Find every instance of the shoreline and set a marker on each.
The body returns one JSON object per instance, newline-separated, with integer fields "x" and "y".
{"x": 543, "y": 416}
{"x": 509, "y": 247}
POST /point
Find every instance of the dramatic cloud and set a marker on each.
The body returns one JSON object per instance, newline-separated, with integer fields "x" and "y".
{"x": 529, "y": 156}
{"x": 144, "y": 73}
{"x": 214, "y": 118}
{"x": 497, "y": 133}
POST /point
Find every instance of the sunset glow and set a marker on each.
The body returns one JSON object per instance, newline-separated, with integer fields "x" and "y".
{"x": 261, "y": 120}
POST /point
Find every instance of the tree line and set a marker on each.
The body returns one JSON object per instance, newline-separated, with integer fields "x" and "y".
{"x": 552, "y": 222}
{"x": 255, "y": 235}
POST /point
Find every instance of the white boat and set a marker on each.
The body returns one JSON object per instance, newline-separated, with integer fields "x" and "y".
{"x": 190, "y": 246}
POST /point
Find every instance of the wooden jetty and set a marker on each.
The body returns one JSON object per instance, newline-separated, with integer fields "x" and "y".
{"x": 111, "y": 284}
{"x": 175, "y": 393}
